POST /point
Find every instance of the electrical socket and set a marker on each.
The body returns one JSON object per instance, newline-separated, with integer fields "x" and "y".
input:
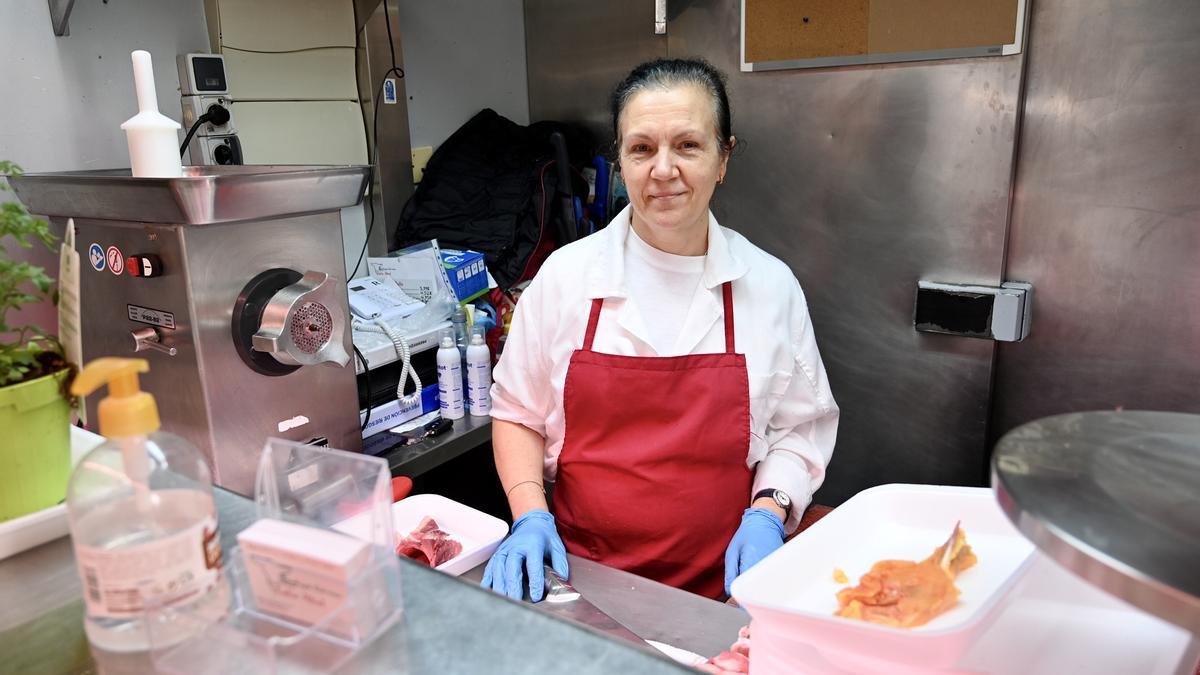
{"x": 195, "y": 106}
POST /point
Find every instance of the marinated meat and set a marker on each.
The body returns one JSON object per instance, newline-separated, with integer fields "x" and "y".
{"x": 907, "y": 594}
{"x": 428, "y": 544}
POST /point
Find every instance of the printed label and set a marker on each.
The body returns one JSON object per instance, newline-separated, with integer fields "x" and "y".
{"x": 153, "y": 317}
{"x": 96, "y": 257}
{"x": 302, "y": 478}
{"x": 116, "y": 261}
{"x": 170, "y": 570}
{"x": 389, "y": 91}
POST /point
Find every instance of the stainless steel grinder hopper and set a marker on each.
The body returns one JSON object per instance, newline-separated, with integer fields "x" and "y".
{"x": 230, "y": 280}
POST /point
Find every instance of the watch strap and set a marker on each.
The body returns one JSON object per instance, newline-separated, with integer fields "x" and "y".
{"x": 770, "y": 493}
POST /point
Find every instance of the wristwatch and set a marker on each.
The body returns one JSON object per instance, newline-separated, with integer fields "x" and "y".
{"x": 782, "y": 500}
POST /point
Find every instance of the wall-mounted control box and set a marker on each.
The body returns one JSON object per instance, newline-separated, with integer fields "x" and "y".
{"x": 203, "y": 83}
{"x": 997, "y": 312}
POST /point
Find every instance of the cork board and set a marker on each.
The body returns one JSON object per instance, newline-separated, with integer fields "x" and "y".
{"x": 784, "y": 30}
{"x": 923, "y": 25}
{"x": 837, "y": 32}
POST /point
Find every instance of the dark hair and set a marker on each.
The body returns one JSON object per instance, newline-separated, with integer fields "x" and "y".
{"x": 668, "y": 73}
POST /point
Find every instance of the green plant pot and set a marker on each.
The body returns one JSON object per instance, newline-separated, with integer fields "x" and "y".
{"x": 35, "y": 445}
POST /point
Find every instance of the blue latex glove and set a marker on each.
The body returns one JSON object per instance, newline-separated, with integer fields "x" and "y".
{"x": 760, "y": 533}
{"x": 533, "y": 538}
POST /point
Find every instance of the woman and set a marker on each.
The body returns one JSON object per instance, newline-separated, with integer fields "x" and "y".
{"x": 662, "y": 372}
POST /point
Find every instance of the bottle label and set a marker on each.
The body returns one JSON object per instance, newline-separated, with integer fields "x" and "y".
{"x": 120, "y": 582}
{"x": 479, "y": 377}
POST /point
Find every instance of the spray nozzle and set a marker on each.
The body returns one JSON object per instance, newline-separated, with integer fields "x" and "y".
{"x": 127, "y": 410}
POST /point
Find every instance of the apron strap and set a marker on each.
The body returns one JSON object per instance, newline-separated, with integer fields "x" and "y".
{"x": 727, "y": 292}
{"x": 593, "y": 321}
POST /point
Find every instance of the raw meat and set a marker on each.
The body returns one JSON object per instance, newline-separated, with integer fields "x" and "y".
{"x": 736, "y": 660}
{"x": 428, "y": 544}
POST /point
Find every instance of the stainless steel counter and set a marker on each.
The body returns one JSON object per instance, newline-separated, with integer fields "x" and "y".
{"x": 450, "y": 625}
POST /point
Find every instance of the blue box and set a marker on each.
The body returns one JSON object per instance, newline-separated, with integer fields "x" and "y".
{"x": 466, "y": 272}
{"x": 393, "y": 414}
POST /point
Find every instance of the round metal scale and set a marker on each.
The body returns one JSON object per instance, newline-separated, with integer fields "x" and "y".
{"x": 1115, "y": 498}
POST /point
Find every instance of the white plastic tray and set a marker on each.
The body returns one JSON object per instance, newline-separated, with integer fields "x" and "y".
{"x": 479, "y": 533}
{"x": 791, "y": 595}
{"x": 39, "y": 527}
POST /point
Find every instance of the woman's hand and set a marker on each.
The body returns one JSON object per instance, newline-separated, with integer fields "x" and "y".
{"x": 533, "y": 537}
{"x": 760, "y": 533}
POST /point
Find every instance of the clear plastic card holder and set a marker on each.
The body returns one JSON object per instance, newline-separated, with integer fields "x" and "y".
{"x": 316, "y": 487}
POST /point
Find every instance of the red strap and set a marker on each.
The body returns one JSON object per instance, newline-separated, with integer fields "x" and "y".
{"x": 593, "y": 321}
{"x": 727, "y": 292}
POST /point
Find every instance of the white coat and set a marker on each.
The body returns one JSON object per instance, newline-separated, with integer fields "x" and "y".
{"x": 793, "y": 415}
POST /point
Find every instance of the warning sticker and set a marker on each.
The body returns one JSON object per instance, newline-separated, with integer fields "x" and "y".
{"x": 116, "y": 261}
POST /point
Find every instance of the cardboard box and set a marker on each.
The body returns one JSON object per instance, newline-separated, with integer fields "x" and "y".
{"x": 466, "y": 272}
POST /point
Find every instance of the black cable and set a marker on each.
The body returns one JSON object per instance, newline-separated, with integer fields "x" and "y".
{"x": 391, "y": 43}
{"x": 192, "y": 132}
{"x": 286, "y": 51}
{"x": 215, "y": 114}
{"x": 367, "y": 377}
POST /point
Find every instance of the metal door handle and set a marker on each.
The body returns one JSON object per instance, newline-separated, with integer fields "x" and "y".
{"x": 145, "y": 339}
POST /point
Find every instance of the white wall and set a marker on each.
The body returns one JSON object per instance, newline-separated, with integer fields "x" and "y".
{"x": 461, "y": 56}
{"x": 65, "y": 97}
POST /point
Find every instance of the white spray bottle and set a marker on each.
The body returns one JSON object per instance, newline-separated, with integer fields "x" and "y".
{"x": 450, "y": 379}
{"x": 153, "y": 137}
{"x": 479, "y": 377}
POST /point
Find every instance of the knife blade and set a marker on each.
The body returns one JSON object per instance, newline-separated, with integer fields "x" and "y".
{"x": 564, "y": 601}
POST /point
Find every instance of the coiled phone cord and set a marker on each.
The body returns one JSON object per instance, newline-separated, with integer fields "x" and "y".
{"x": 403, "y": 352}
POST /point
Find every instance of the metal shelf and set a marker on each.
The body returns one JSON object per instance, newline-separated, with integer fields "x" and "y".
{"x": 467, "y": 434}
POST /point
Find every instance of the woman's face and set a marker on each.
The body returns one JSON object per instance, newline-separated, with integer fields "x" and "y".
{"x": 671, "y": 162}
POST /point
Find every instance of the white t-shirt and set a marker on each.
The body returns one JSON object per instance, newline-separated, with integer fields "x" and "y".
{"x": 661, "y": 284}
{"x": 793, "y": 417}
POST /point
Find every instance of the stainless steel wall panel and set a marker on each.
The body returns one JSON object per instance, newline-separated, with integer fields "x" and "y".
{"x": 866, "y": 180}
{"x": 576, "y": 52}
{"x": 1106, "y": 213}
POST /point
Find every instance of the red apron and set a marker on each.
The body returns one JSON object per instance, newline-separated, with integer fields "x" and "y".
{"x": 652, "y": 477}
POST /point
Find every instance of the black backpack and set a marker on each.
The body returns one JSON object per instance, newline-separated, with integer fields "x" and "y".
{"x": 492, "y": 187}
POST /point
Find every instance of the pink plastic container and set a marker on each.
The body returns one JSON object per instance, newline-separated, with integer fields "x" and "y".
{"x": 791, "y": 595}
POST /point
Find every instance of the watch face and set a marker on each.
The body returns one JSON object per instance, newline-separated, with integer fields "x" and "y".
{"x": 783, "y": 499}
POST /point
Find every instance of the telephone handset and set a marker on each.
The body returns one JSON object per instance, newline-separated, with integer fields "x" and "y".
{"x": 372, "y": 298}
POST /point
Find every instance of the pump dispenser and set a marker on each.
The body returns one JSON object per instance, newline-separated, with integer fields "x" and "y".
{"x": 143, "y": 522}
{"x": 152, "y": 136}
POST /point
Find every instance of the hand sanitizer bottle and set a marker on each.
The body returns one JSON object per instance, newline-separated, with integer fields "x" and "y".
{"x": 479, "y": 377}
{"x": 450, "y": 380}
{"x": 142, "y": 522}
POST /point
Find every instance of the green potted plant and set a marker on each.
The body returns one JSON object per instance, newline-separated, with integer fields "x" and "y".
{"x": 35, "y": 377}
